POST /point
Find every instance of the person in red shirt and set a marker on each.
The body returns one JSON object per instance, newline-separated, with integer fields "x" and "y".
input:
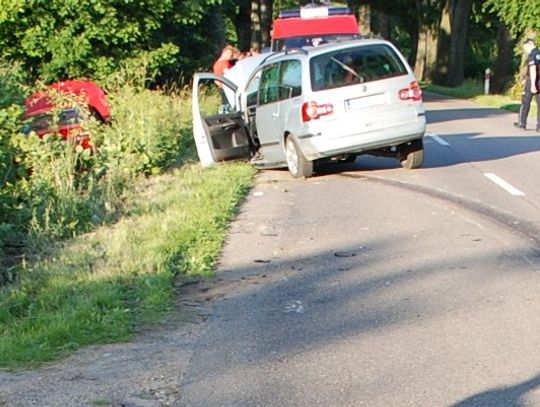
{"x": 222, "y": 65}
{"x": 225, "y": 61}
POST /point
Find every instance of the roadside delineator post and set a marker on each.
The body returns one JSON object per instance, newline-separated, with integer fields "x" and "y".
{"x": 487, "y": 78}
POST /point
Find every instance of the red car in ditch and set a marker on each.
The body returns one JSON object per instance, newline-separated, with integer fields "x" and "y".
{"x": 49, "y": 113}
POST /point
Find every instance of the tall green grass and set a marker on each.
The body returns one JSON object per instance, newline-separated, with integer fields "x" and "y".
{"x": 72, "y": 190}
{"x": 50, "y": 189}
{"x": 92, "y": 240}
{"x": 474, "y": 90}
{"x": 101, "y": 286}
{"x": 468, "y": 89}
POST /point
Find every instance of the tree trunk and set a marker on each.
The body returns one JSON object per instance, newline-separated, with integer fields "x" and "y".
{"x": 443, "y": 44}
{"x": 266, "y": 22}
{"x": 364, "y": 19}
{"x": 381, "y": 25}
{"x": 426, "y": 57}
{"x": 503, "y": 65}
{"x": 420, "y": 63}
{"x": 362, "y": 14}
{"x": 256, "y": 37}
{"x": 413, "y": 27}
{"x": 460, "y": 15}
{"x": 432, "y": 54}
{"x": 243, "y": 24}
{"x": 428, "y": 22}
{"x": 217, "y": 36}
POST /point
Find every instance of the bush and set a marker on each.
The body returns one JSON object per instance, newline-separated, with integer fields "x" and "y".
{"x": 12, "y": 89}
{"x": 52, "y": 189}
{"x": 146, "y": 133}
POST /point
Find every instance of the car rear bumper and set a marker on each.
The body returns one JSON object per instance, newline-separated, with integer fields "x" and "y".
{"x": 315, "y": 146}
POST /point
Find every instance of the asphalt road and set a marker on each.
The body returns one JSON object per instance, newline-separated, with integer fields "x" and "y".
{"x": 371, "y": 285}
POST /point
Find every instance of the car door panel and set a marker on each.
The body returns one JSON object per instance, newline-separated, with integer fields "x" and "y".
{"x": 269, "y": 127}
{"x": 228, "y": 137}
{"x": 219, "y": 131}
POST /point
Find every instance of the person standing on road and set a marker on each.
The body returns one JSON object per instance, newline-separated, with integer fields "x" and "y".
{"x": 530, "y": 85}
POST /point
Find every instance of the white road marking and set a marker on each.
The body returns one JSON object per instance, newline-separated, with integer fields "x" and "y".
{"x": 503, "y": 184}
{"x": 437, "y": 139}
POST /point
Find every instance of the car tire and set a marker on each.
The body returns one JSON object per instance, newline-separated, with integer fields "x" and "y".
{"x": 297, "y": 164}
{"x": 411, "y": 155}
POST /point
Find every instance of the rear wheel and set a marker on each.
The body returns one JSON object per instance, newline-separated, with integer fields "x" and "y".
{"x": 411, "y": 154}
{"x": 298, "y": 165}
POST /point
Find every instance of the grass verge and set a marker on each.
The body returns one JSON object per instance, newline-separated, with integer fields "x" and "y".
{"x": 100, "y": 287}
{"x": 474, "y": 91}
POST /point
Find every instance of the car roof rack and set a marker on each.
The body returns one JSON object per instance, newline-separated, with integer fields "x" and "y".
{"x": 299, "y": 50}
{"x": 370, "y": 36}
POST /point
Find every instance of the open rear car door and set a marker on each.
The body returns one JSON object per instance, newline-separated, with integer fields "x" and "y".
{"x": 218, "y": 124}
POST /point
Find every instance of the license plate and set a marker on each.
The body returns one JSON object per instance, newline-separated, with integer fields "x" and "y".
{"x": 366, "y": 101}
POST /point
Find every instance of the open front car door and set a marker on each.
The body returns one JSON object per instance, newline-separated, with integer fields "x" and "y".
{"x": 218, "y": 124}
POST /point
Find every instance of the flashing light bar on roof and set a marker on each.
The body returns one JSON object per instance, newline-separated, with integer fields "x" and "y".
{"x": 313, "y": 12}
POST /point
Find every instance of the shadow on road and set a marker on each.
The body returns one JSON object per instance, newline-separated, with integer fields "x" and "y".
{"x": 463, "y": 148}
{"x": 508, "y": 396}
{"x": 475, "y": 147}
{"x": 293, "y": 315}
{"x": 447, "y": 115}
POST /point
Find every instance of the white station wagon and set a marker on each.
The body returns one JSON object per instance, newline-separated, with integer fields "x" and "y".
{"x": 314, "y": 104}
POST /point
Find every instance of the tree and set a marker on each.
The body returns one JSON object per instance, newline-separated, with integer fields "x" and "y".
{"x": 256, "y": 26}
{"x": 267, "y": 12}
{"x": 364, "y": 19}
{"x": 518, "y": 15}
{"x": 56, "y": 39}
{"x": 503, "y": 64}
{"x": 363, "y": 15}
{"x": 426, "y": 56}
{"x": 460, "y": 13}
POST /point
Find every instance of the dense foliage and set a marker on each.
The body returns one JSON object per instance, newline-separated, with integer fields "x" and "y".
{"x": 57, "y": 39}
{"x": 520, "y": 15}
{"x": 77, "y": 38}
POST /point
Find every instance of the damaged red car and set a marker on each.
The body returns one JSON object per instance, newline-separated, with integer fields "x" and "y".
{"x": 48, "y": 113}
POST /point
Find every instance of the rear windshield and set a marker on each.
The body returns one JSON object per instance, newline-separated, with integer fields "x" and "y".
{"x": 46, "y": 121}
{"x": 355, "y": 65}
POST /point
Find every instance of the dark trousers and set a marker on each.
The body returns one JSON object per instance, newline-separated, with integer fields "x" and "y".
{"x": 526, "y": 99}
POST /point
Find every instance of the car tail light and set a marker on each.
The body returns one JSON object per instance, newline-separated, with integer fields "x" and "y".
{"x": 413, "y": 92}
{"x": 312, "y": 110}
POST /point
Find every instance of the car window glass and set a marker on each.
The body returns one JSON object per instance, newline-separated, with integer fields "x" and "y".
{"x": 355, "y": 65}
{"x": 269, "y": 85}
{"x": 291, "y": 79}
{"x": 70, "y": 116}
{"x": 252, "y": 90}
{"x": 215, "y": 97}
